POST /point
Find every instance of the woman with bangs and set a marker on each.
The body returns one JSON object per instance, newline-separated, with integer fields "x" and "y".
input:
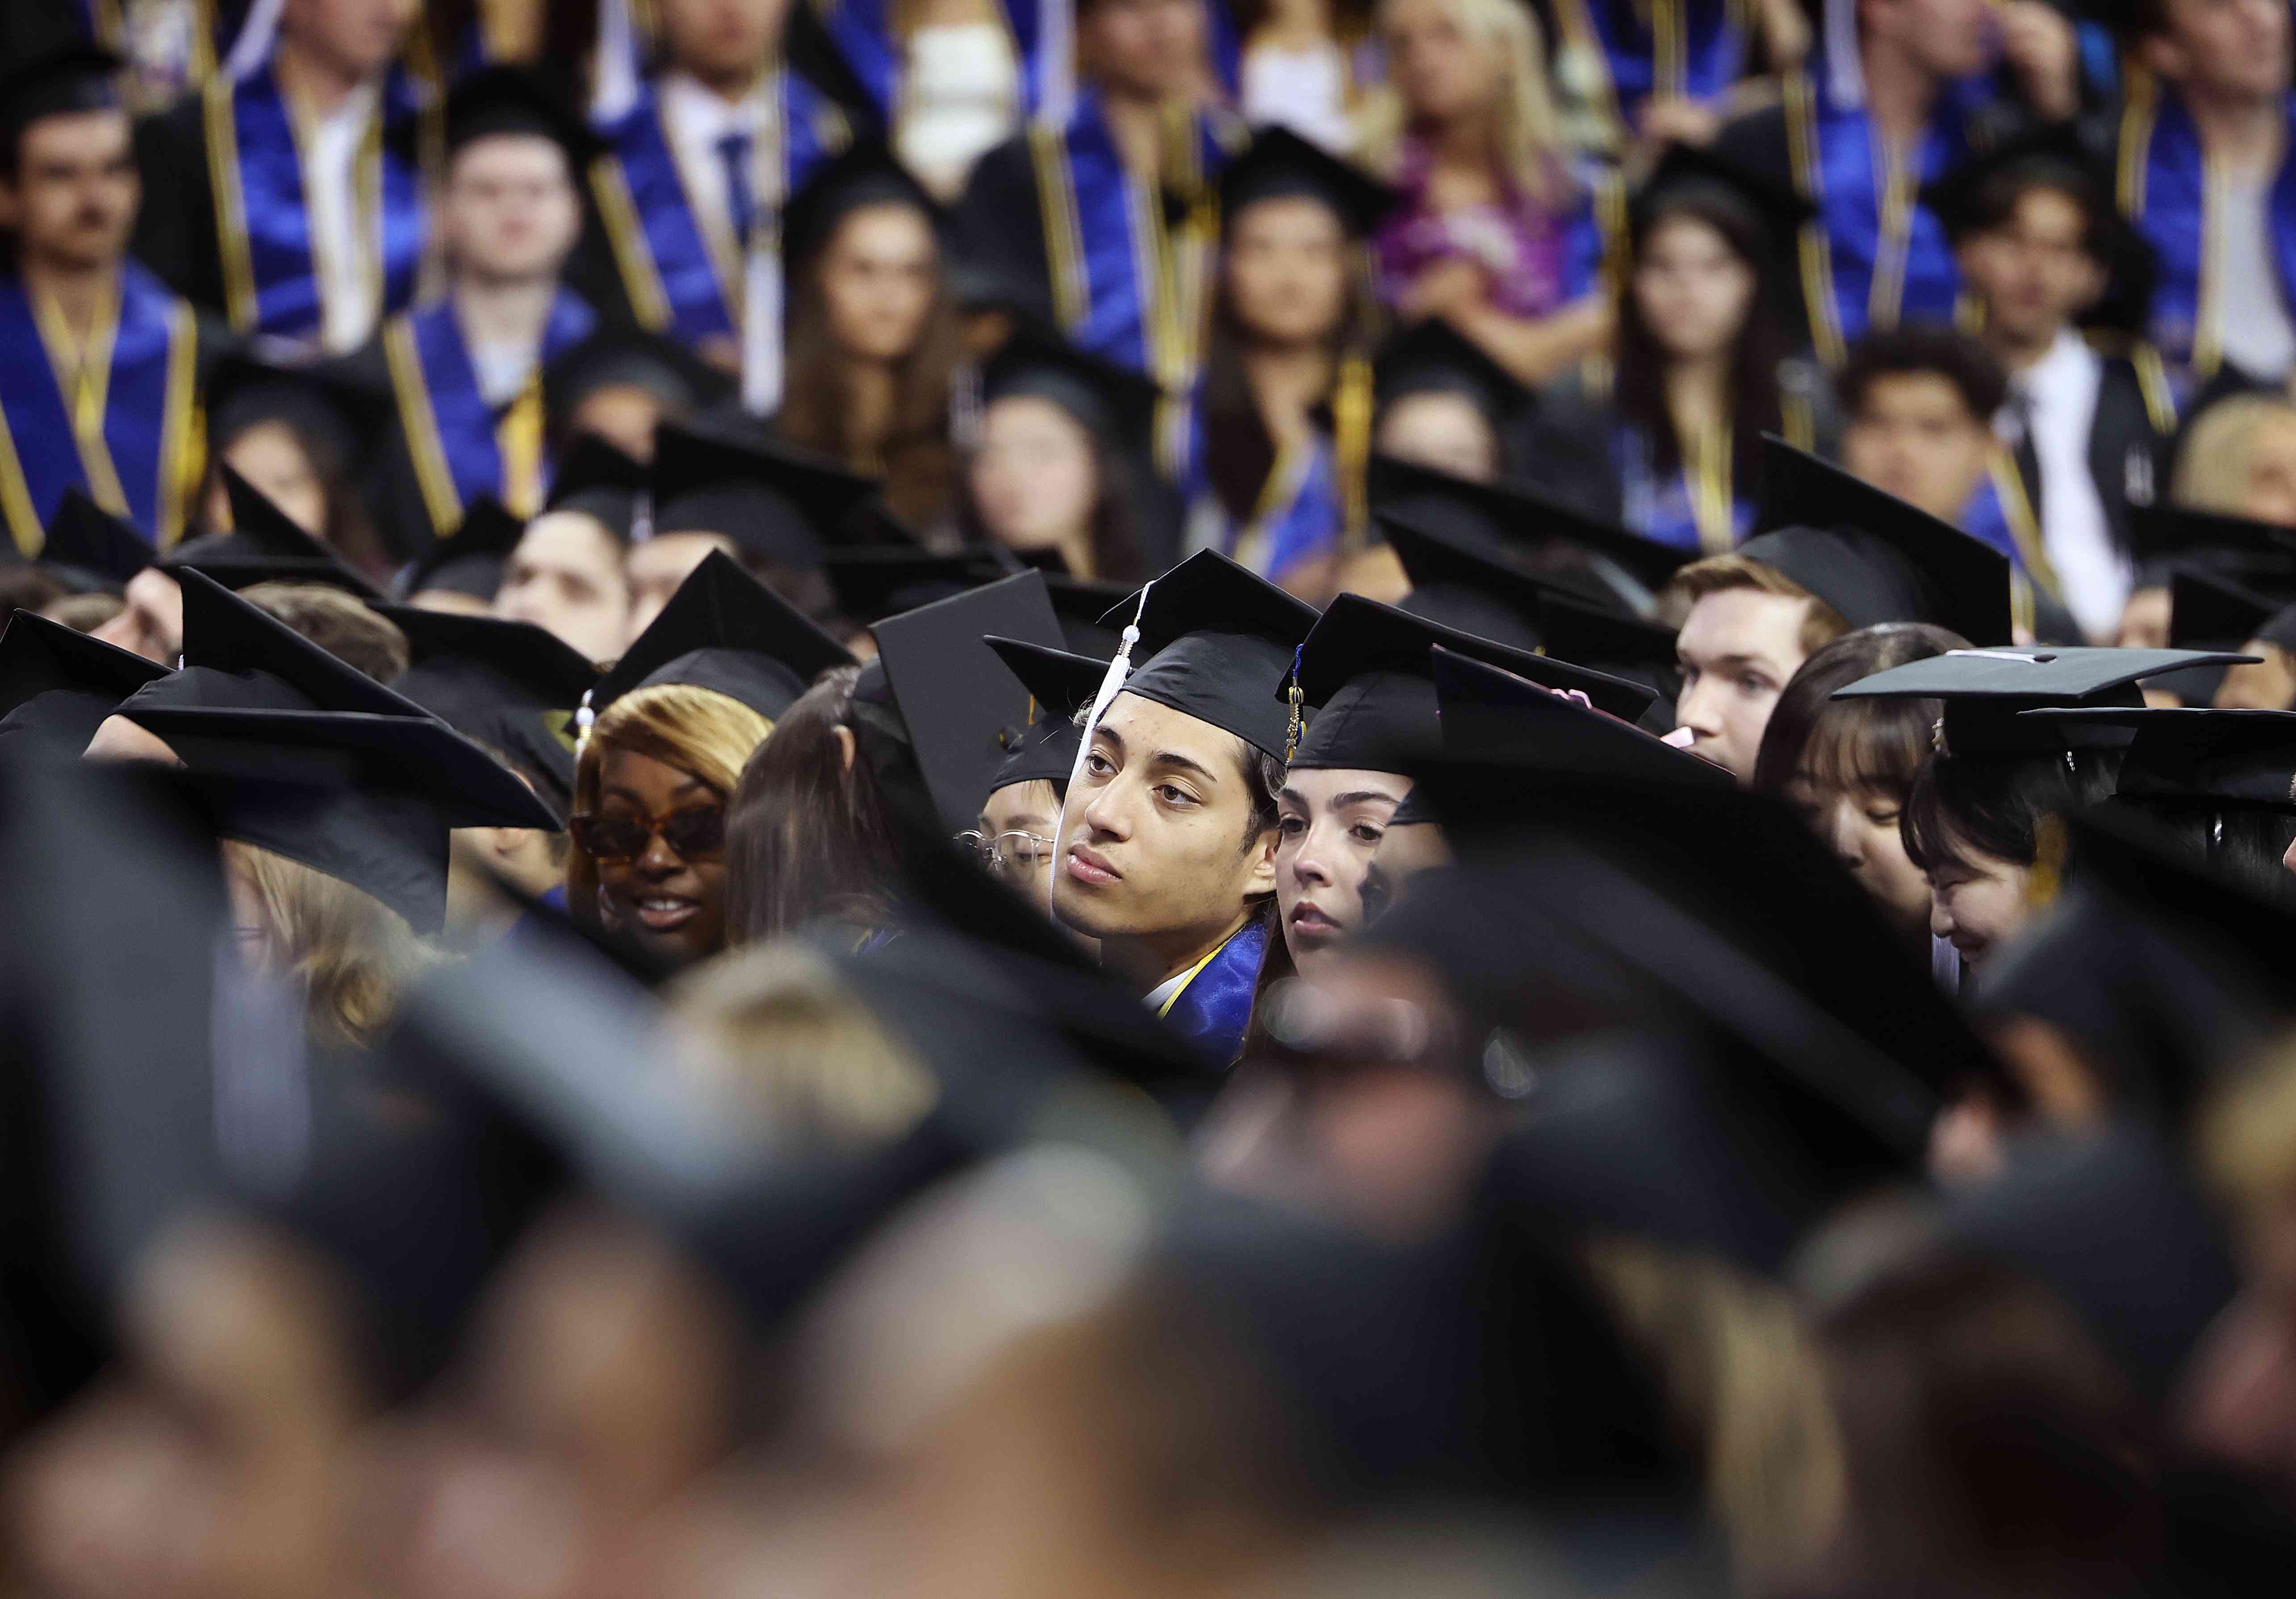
{"x": 1848, "y": 766}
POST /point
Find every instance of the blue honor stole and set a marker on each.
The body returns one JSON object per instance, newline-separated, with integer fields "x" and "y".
{"x": 1872, "y": 256}
{"x": 1213, "y": 1004}
{"x": 1682, "y": 50}
{"x": 1695, "y": 507}
{"x": 685, "y": 273}
{"x": 1129, "y": 285}
{"x": 2002, "y": 514}
{"x": 863, "y": 35}
{"x": 2162, "y": 183}
{"x": 1313, "y": 503}
{"x": 263, "y": 226}
{"x": 460, "y": 445}
{"x": 122, "y": 428}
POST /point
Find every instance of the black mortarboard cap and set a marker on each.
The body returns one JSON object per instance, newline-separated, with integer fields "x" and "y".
{"x": 2110, "y": 1223}
{"x": 1367, "y": 671}
{"x": 2053, "y": 151}
{"x": 330, "y": 405}
{"x": 783, "y": 505}
{"x": 1493, "y": 717}
{"x": 366, "y": 799}
{"x": 617, "y": 356}
{"x": 1458, "y": 581}
{"x": 2198, "y": 754}
{"x": 264, "y": 545}
{"x": 2260, "y": 554}
{"x": 57, "y": 684}
{"x": 724, "y": 630}
{"x": 511, "y": 686}
{"x": 954, "y": 694}
{"x": 1985, "y": 690}
{"x": 2207, "y": 612}
{"x": 1079, "y": 603}
{"x": 601, "y": 482}
{"x": 1060, "y": 683}
{"x": 91, "y": 546}
{"x": 1432, "y": 357}
{"x": 1215, "y": 643}
{"x": 1114, "y": 403}
{"x": 1281, "y": 164}
{"x": 873, "y": 584}
{"x": 469, "y": 561}
{"x": 518, "y": 100}
{"x": 1688, "y": 168}
{"x": 1610, "y": 641}
{"x": 1512, "y": 526}
{"x": 77, "y": 77}
{"x": 238, "y": 655}
{"x": 867, "y": 173}
{"x": 1871, "y": 555}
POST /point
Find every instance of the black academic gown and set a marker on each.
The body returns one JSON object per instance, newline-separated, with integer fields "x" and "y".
{"x": 2127, "y": 444}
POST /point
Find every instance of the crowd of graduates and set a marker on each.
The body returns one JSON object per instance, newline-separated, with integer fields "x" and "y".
{"x": 1097, "y": 797}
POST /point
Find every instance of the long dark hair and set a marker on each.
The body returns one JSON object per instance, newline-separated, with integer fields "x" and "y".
{"x": 1117, "y": 554}
{"x": 1858, "y": 743}
{"x": 817, "y": 409}
{"x": 1239, "y": 451}
{"x": 1755, "y": 405}
{"x": 808, "y": 837}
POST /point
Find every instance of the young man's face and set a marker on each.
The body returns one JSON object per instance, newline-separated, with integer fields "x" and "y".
{"x": 2033, "y": 274}
{"x": 566, "y": 578}
{"x": 2227, "y": 49}
{"x": 73, "y": 198}
{"x": 1915, "y": 438}
{"x": 1158, "y": 839}
{"x": 509, "y": 213}
{"x": 1149, "y": 48}
{"x": 359, "y": 38}
{"x": 1947, "y": 36}
{"x": 724, "y": 43}
{"x": 1737, "y": 647}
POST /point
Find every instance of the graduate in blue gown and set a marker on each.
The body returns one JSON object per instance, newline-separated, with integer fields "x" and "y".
{"x": 1280, "y": 431}
{"x": 290, "y": 200}
{"x": 463, "y": 375}
{"x": 1168, "y": 839}
{"x": 1105, "y": 223}
{"x": 99, "y": 363}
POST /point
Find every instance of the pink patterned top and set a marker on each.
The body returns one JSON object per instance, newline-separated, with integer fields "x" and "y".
{"x": 1522, "y": 246}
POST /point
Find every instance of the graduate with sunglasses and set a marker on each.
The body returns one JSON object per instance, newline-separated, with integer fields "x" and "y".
{"x": 664, "y": 737}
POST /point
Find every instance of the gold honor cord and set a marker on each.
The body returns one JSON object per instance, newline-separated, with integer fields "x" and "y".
{"x": 2024, "y": 524}
{"x": 83, "y": 379}
{"x": 1063, "y": 239}
{"x": 1815, "y": 252}
{"x": 1352, "y": 407}
{"x": 234, "y": 254}
{"x": 633, "y": 260}
{"x": 181, "y": 447}
{"x": 1706, "y": 459}
{"x": 1885, "y": 298}
{"x": 517, "y": 438}
{"x": 441, "y": 499}
{"x": 16, "y": 498}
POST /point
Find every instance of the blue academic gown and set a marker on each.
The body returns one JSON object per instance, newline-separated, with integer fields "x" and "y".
{"x": 1662, "y": 507}
{"x": 125, "y": 439}
{"x": 1684, "y": 49}
{"x": 2162, "y": 186}
{"x": 683, "y": 278}
{"x": 1213, "y": 1005}
{"x": 454, "y": 438}
{"x": 255, "y": 169}
{"x": 1302, "y": 515}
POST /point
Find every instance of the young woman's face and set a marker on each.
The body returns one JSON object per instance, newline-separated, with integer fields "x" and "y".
{"x": 1035, "y": 480}
{"x": 672, "y": 904}
{"x": 1446, "y": 432}
{"x": 1860, "y": 826}
{"x": 1978, "y": 904}
{"x": 565, "y": 576}
{"x": 1693, "y": 288}
{"x": 1018, "y": 820}
{"x": 1328, "y": 828}
{"x": 1443, "y": 70}
{"x": 271, "y": 458}
{"x": 877, "y": 280}
{"x": 1287, "y": 270}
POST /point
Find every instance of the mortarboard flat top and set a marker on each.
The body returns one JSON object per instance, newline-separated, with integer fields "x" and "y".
{"x": 516, "y": 100}
{"x": 2053, "y": 151}
{"x": 621, "y": 356}
{"x": 77, "y": 77}
{"x": 1492, "y": 717}
{"x": 2198, "y": 754}
{"x": 2206, "y": 612}
{"x": 1871, "y": 555}
{"x": 724, "y": 630}
{"x": 1114, "y": 403}
{"x": 783, "y": 505}
{"x": 1609, "y": 640}
{"x": 1432, "y": 357}
{"x": 1508, "y": 523}
{"x": 239, "y": 655}
{"x": 1686, "y": 169}
{"x": 1459, "y": 580}
{"x": 2160, "y": 532}
{"x": 599, "y": 482}
{"x": 1060, "y": 683}
{"x": 1281, "y": 164}
{"x": 953, "y": 690}
{"x": 469, "y": 560}
{"x": 867, "y": 174}
{"x": 84, "y": 537}
{"x": 1367, "y": 671}
{"x": 265, "y": 546}
{"x": 367, "y": 799}
{"x": 1985, "y": 690}
{"x": 76, "y": 680}
{"x": 1215, "y": 643}
{"x": 331, "y": 404}
{"x": 510, "y": 685}
{"x": 873, "y": 584}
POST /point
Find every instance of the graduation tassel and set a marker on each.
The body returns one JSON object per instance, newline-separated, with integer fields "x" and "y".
{"x": 1111, "y": 684}
{"x": 583, "y": 716}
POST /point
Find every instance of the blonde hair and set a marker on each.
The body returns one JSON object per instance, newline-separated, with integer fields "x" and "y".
{"x": 700, "y": 731}
{"x": 2213, "y": 466}
{"x": 1719, "y": 574}
{"x": 772, "y": 1034}
{"x": 1526, "y": 130}
{"x": 353, "y": 955}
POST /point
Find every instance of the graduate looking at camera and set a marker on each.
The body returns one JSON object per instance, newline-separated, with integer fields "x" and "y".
{"x": 1167, "y": 849}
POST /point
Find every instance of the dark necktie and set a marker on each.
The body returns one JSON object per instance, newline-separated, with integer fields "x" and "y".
{"x": 2025, "y": 452}
{"x": 734, "y": 151}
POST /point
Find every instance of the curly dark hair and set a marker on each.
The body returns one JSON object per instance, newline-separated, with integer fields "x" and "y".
{"x": 1917, "y": 347}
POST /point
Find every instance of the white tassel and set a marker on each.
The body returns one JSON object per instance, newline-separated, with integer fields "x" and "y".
{"x": 1111, "y": 683}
